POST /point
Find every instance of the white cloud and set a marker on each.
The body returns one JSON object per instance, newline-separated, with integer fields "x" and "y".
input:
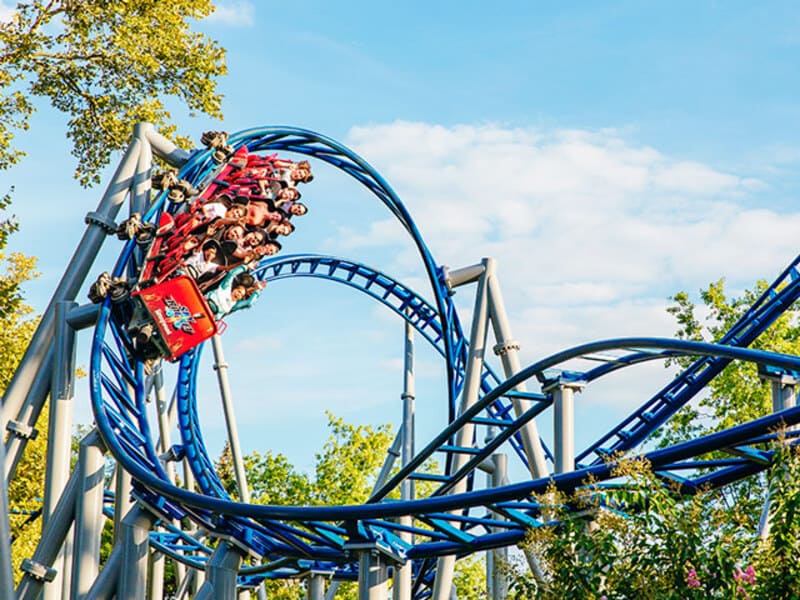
{"x": 260, "y": 343}
{"x": 377, "y": 233}
{"x": 6, "y": 13}
{"x": 393, "y": 366}
{"x": 591, "y": 232}
{"x": 240, "y": 13}
{"x": 568, "y": 204}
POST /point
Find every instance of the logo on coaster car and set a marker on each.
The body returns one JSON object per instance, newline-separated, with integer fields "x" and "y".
{"x": 179, "y": 316}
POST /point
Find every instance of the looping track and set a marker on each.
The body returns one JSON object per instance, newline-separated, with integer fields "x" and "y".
{"x": 295, "y": 538}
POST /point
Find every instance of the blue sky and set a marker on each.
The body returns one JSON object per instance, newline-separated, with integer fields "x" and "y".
{"x": 606, "y": 154}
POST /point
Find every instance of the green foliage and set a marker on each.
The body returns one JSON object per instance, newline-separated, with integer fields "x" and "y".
{"x": 106, "y": 65}
{"x": 668, "y": 546}
{"x": 349, "y": 462}
{"x": 17, "y": 325}
{"x": 9, "y": 224}
{"x": 16, "y": 317}
{"x": 777, "y": 559}
{"x": 736, "y": 395}
{"x": 275, "y": 480}
{"x": 470, "y": 578}
{"x": 345, "y": 470}
{"x": 25, "y": 493}
{"x": 271, "y": 478}
{"x": 345, "y": 473}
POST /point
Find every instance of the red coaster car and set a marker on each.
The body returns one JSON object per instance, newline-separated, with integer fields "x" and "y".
{"x": 170, "y": 318}
{"x": 161, "y": 309}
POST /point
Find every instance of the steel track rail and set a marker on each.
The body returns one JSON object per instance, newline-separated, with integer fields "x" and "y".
{"x": 319, "y": 533}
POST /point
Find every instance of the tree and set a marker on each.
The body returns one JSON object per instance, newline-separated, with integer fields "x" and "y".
{"x": 345, "y": 469}
{"x": 25, "y": 493}
{"x": 105, "y": 65}
{"x": 737, "y": 395}
{"x": 348, "y": 464}
{"x": 17, "y": 325}
{"x": 665, "y": 545}
{"x": 470, "y": 578}
{"x": 345, "y": 472}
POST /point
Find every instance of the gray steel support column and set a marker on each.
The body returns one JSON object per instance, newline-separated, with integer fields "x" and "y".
{"x": 221, "y": 571}
{"x": 27, "y": 391}
{"x": 135, "y": 541}
{"x": 189, "y": 484}
{"x": 184, "y": 584}
{"x": 162, "y": 147}
{"x": 59, "y": 441}
{"x": 315, "y": 589}
{"x": 445, "y": 566}
{"x": 205, "y": 593}
{"x": 261, "y": 592}
{"x": 180, "y": 570}
{"x": 52, "y": 539}
{"x": 83, "y": 316}
{"x": 6, "y": 572}
{"x": 373, "y": 574}
{"x": 164, "y": 443}
{"x": 156, "y": 568}
{"x": 23, "y": 428}
{"x": 392, "y": 454}
{"x": 221, "y": 367}
{"x": 784, "y": 395}
{"x": 123, "y": 503}
{"x": 497, "y": 559}
{"x": 508, "y": 351}
{"x": 401, "y": 590}
{"x": 564, "y": 425}
{"x": 332, "y": 589}
{"x": 199, "y": 578}
{"x": 162, "y": 412}
{"x": 104, "y": 587}
{"x": 36, "y": 357}
{"x": 89, "y": 518}
{"x": 166, "y": 421}
{"x": 67, "y": 551}
{"x": 456, "y": 277}
{"x": 140, "y": 190}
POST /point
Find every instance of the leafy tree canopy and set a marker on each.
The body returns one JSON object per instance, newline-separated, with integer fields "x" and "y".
{"x": 345, "y": 472}
{"x": 346, "y": 469}
{"x": 737, "y": 395}
{"x": 672, "y": 547}
{"x": 106, "y": 65}
{"x": 17, "y": 324}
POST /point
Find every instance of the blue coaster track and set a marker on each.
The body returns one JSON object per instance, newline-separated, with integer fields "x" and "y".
{"x": 291, "y": 538}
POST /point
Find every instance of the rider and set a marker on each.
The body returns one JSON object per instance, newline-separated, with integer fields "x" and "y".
{"x": 238, "y": 290}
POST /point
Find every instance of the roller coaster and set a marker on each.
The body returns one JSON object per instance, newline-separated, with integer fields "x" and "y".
{"x": 224, "y": 547}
